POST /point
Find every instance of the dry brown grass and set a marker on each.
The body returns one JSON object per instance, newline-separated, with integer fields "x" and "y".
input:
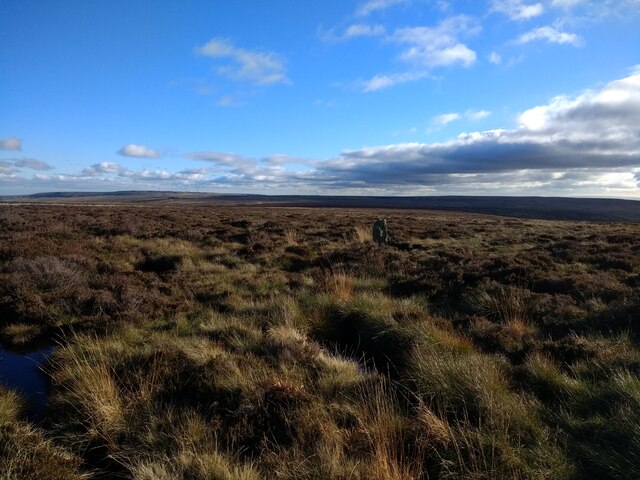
{"x": 26, "y": 453}
{"x": 251, "y": 343}
{"x": 340, "y": 285}
{"x": 386, "y": 430}
{"x": 362, "y": 235}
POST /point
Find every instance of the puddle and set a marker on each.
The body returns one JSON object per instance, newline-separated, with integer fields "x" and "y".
{"x": 23, "y": 374}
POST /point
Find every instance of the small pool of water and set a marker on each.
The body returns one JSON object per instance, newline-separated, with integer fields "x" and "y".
{"x": 24, "y": 374}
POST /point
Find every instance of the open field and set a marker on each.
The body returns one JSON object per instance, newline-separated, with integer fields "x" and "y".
{"x": 238, "y": 342}
{"x": 545, "y": 208}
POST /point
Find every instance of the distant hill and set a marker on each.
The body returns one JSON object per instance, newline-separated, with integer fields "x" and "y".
{"x": 549, "y": 208}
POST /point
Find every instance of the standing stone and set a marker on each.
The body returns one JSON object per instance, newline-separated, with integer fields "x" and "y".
{"x": 380, "y": 234}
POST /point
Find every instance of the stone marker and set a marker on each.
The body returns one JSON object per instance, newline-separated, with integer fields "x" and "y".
{"x": 380, "y": 234}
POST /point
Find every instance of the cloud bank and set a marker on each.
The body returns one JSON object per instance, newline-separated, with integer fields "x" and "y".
{"x": 595, "y": 131}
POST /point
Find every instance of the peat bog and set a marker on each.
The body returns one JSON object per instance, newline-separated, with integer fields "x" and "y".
{"x": 211, "y": 342}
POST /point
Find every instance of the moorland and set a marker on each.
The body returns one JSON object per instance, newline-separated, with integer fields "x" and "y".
{"x": 545, "y": 208}
{"x": 238, "y": 342}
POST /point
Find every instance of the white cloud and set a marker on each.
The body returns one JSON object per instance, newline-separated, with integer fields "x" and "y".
{"x": 477, "y": 114}
{"x": 32, "y": 163}
{"x": 422, "y": 48}
{"x": 261, "y": 68}
{"x": 446, "y": 118}
{"x": 139, "y": 151}
{"x": 102, "y": 168}
{"x": 566, "y": 3}
{"x": 609, "y": 116}
{"x": 438, "y": 46}
{"x": 425, "y": 48}
{"x": 495, "y": 58}
{"x": 551, "y": 35}
{"x": 164, "y": 176}
{"x": 355, "y": 30}
{"x": 364, "y": 30}
{"x": 380, "y": 82}
{"x": 11, "y": 143}
{"x": 517, "y": 10}
{"x": 110, "y": 176}
{"x": 431, "y": 57}
{"x": 371, "y": 6}
{"x": 112, "y": 170}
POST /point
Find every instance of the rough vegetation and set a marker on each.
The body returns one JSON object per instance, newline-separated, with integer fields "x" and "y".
{"x": 238, "y": 343}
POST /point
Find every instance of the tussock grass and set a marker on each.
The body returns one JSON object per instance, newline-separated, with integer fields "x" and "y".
{"x": 548, "y": 382}
{"x": 506, "y": 304}
{"x": 386, "y": 430}
{"x": 25, "y": 452}
{"x": 339, "y": 374}
{"x": 340, "y": 285}
{"x": 478, "y": 426}
{"x": 10, "y": 406}
{"x": 361, "y": 327}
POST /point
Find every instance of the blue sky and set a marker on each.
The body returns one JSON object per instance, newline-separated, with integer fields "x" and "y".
{"x": 372, "y": 97}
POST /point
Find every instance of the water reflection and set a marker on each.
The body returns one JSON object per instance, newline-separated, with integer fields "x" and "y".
{"x": 23, "y": 373}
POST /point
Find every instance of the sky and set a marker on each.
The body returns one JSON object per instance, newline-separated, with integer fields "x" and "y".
{"x": 335, "y": 97}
